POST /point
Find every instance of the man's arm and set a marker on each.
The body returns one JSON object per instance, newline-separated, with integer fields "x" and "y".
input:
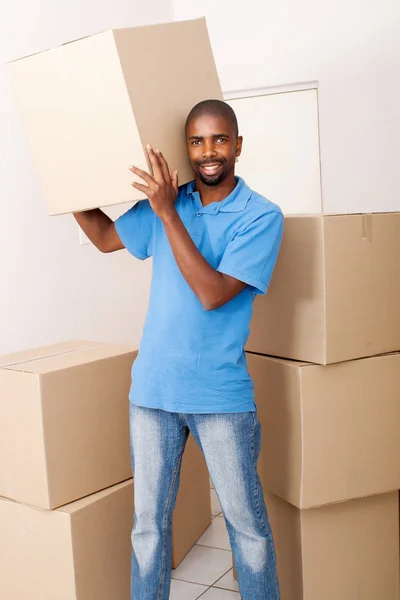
{"x": 213, "y": 289}
{"x": 248, "y": 260}
{"x": 100, "y": 230}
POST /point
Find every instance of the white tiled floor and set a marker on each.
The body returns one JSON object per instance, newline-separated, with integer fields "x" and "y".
{"x": 206, "y": 572}
{"x": 216, "y": 535}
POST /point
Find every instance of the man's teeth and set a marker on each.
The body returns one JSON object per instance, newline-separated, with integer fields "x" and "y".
{"x": 211, "y": 168}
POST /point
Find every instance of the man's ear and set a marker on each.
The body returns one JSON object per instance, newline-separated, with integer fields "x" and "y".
{"x": 239, "y": 143}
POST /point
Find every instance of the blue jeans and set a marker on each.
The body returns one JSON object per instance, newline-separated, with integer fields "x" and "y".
{"x": 231, "y": 446}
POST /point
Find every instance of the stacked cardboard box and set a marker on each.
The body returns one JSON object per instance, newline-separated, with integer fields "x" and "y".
{"x": 89, "y": 107}
{"x": 66, "y": 488}
{"x": 324, "y": 356}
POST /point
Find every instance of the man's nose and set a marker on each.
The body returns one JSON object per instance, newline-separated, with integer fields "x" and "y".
{"x": 209, "y": 149}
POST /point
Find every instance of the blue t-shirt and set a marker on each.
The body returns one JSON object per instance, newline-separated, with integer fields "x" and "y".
{"x": 192, "y": 360}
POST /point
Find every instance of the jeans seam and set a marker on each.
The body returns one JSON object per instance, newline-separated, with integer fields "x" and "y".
{"x": 165, "y": 521}
{"x": 257, "y": 490}
{"x": 257, "y": 499}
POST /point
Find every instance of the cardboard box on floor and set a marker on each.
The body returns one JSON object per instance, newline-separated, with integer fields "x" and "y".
{"x": 334, "y": 295}
{"x": 89, "y": 107}
{"x": 330, "y": 433}
{"x": 82, "y": 550}
{"x": 64, "y": 421}
{"x": 337, "y": 552}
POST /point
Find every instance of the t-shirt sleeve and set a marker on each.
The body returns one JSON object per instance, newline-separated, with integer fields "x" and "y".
{"x": 135, "y": 229}
{"x": 252, "y": 253}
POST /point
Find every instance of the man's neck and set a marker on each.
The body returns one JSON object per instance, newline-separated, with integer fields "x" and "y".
{"x": 215, "y": 193}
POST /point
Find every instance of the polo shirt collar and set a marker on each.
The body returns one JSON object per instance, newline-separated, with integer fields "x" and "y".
{"x": 235, "y": 202}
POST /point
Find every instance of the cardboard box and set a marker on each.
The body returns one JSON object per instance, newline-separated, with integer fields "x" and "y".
{"x": 89, "y": 107}
{"x": 330, "y": 433}
{"x": 338, "y": 552}
{"x": 64, "y": 422}
{"x": 335, "y": 292}
{"x": 81, "y": 551}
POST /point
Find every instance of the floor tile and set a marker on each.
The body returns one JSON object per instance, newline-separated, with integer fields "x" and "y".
{"x": 215, "y": 505}
{"x": 216, "y": 594}
{"x": 182, "y": 590}
{"x": 216, "y": 536}
{"x": 228, "y": 582}
{"x": 203, "y": 565}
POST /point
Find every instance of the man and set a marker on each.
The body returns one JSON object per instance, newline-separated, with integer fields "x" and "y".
{"x": 214, "y": 244}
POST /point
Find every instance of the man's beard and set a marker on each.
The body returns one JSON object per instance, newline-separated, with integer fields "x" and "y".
{"x": 212, "y": 180}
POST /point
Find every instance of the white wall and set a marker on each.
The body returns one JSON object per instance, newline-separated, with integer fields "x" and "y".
{"x": 51, "y": 288}
{"x": 352, "y": 47}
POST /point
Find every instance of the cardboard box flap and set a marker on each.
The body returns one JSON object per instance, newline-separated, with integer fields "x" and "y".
{"x": 77, "y": 505}
{"x": 67, "y": 360}
{"x": 25, "y": 356}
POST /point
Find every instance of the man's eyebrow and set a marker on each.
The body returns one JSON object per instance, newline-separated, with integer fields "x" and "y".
{"x": 214, "y": 135}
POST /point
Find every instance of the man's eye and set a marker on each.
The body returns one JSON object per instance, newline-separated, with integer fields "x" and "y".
{"x": 195, "y": 142}
{"x": 221, "y": 140}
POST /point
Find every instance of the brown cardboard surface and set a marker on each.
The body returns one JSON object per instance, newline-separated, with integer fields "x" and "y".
{"x": 341, "y": 551}
{"x": 192, "y": 513}
{"x": 334, "y": 293}
{"x": 82, "y": 550}
{"x": 330, "y": 433}
{"x": 89, "y": 107}
{"x": 346, "y": 550}
{"x": 75, "y": 553}
{"x": 7, "y": 360}
{"x": 64, "y": 423}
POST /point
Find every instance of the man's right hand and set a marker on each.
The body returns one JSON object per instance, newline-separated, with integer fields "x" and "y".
{"x": 100, "y": 230}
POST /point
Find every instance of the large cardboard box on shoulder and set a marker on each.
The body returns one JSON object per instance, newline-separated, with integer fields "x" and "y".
{"x": 334, "y": 295}
{"x": 342, "y": 551}
{"x": 330, "y": 433}
{"x": 89, "y": 107}
{"x": 82, "y": 551}
{"x": 64, "y": 422}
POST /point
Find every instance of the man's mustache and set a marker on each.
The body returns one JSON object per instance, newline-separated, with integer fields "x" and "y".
{"x": 210, "y": 162}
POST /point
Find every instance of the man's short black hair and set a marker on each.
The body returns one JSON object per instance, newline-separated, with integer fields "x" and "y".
{"x": 214, "y": 107}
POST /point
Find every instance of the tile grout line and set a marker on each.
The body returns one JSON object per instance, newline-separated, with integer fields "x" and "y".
{"x": 205, "y": 591}
{"x": 206, "y": 584}
{"x": 214, "y": 547}
{"x": 222, "y": 576}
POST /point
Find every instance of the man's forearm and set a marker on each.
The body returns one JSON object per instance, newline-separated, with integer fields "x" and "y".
{"x": 96, "y": 225}
{"x": 207, "y": 283}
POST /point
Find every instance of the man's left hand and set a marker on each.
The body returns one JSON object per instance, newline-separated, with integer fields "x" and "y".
{"x": 162, "y": 188}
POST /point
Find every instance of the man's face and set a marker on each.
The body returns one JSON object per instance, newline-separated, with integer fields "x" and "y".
{"x": 213, "y": 148}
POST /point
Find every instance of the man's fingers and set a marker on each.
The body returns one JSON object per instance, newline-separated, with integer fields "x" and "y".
{"x": 174, "y": 181}
{"x": 143, "y": 188}
{"x": 157, "y": 170}
{"x": 164, "y": 166}
{"x": 142, "y": 174}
